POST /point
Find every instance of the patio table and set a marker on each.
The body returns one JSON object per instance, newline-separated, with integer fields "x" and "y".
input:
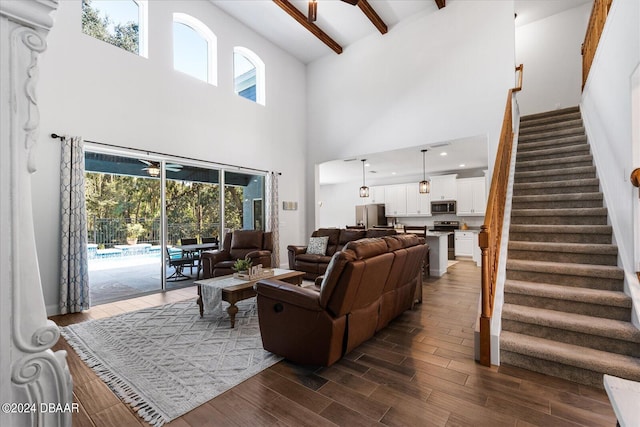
{"x": 196, "y": 248}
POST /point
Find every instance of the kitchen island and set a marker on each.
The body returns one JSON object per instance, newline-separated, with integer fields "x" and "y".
{"x": 438, "y": 255}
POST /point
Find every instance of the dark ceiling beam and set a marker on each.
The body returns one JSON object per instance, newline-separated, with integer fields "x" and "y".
{"x": 375, "y": 19}
{"x": 441, "y": 3}
{"x": 313, "y": 28}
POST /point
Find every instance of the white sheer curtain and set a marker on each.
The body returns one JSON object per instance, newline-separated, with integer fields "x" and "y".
{"x": 74, "y": 272}
{"x": 273, "y": 221}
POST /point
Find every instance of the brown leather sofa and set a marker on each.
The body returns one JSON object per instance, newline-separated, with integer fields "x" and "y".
{"x": 366, "y": 285}
{"x": 254, "y": 245}
{"x": 315, "y": 265}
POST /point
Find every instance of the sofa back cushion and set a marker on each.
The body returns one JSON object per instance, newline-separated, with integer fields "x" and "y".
{"x": 348, "y": 235}
{"x": 380, "y": 232}
{"x": 245, "y": 241}
{"x": 333, "y": 233}
{"x": 363, "y": 266}
{"x": 267, "y": 241}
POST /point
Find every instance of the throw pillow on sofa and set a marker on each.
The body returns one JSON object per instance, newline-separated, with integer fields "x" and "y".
{"x": 318, "y": 245}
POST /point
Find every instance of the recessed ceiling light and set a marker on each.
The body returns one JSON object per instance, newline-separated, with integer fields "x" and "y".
{"x": 462, "y": 165}
{"x": 444, "y": 153}
{"x": 393, "y": 173}
{"x": 367, "y": 164}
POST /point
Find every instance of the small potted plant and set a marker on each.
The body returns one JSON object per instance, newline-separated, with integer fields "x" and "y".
{"x": 135, "y": 230}
{"x": 242, "y": 266}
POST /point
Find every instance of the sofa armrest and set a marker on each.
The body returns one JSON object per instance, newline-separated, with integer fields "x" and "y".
{"x": 292, "y": 252}
{"x": 297, "y": 250}
{"x": 260, "y": 257}
{"x": 289, "y": 294}
{"x": 209, "y": 259}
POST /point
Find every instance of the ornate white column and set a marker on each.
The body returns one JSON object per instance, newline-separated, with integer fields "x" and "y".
{"x": 32, "y": 377}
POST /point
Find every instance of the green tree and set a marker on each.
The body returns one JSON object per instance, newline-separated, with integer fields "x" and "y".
{"x": 124, "y": 36}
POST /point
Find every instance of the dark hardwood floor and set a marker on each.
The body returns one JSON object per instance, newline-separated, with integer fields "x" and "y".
{"x": 419, "y": 371}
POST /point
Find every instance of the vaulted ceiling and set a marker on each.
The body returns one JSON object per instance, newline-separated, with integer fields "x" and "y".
{"x": 340, "y": 23}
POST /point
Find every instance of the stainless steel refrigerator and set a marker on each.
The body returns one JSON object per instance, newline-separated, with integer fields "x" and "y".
{"x": 370, "y": 215}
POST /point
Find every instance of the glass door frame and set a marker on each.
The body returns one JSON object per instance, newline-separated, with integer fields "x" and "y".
{"x": 163, "y": 160}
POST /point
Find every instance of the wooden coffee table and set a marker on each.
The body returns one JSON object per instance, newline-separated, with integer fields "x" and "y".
{"x": 234, "y": 289}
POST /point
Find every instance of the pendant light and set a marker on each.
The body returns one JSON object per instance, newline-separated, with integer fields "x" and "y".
{"x": 364, "y": 190}
{"x": 313, "y": 11}
{"x": 424, "y": 186}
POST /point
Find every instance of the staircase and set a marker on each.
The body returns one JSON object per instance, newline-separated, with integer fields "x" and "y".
{"x": 565, "y": 312}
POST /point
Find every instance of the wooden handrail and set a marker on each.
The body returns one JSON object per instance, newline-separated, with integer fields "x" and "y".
{"x": 520, "y": 70}
{"x": 599, "y": 13}
{"x": 490, "y": 235}
{"x": 635, "y": 177}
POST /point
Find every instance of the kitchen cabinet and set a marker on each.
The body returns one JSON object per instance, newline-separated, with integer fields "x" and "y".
{"x": 464, "y": 242}
{"x": 472, "y": 196}
{"x": 444, "y": 187}
{"x": 418, "y": 204}
{"x": 395, "y": 200}
{"x": 376, "y": 194}
{"x": 403, "y": 200}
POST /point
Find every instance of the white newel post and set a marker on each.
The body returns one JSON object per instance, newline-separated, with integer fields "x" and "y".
{"x": 32, "y": 377}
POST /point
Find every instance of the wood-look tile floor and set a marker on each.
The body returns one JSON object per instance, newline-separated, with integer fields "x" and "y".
{"x": 419, "y": 371}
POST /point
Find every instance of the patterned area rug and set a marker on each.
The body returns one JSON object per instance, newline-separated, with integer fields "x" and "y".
{"x": 165, "y": 361}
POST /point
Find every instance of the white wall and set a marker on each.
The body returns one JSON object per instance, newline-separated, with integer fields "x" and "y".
{"x": 90, "y": 88}
{"x": 440, "y": 76}
{"x": 550, "y": 51}
{"x": 607, "y": 113}
{"x": 336, "y": 204}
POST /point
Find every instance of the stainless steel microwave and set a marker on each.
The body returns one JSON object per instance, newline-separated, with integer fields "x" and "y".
{"x": 443, "y": 207}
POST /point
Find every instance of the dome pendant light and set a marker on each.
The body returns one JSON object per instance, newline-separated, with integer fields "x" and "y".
{"x": 424, "y": 186}
{"x": 364, "y": 190}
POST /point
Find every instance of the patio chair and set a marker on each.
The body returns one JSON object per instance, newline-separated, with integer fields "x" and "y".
{"x": 194, "y": 255}
{"x": 178, "y": 261}
{"x": 210, "y": 240}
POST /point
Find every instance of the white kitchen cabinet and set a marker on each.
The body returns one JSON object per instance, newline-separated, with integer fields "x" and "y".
{"x": 472, "y": 196}
{"x": 465, "y": 240}
{"x": 418, "y": 204}
{"x": 444, "y": 187}
{"x": 376, "y": 194}
{"x": 395, "y": 200}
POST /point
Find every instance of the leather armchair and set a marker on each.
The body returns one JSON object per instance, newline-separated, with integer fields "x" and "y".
{"x": 254, "y": 245}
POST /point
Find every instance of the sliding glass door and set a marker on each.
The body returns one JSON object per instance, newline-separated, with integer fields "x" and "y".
{"x": 193, "y": 217}
{"x": 123, "y": 221}
{"x": 145, "y": 214}
{"x": 243, "y": 201}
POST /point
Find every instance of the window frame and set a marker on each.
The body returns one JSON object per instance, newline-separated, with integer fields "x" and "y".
{"x": 209, "y": 36}
{"x": 252, "y": 57}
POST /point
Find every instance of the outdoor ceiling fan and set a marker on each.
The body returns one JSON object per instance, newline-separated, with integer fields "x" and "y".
{"x": 153, "y": 168}
{"x": 313, "y": 8}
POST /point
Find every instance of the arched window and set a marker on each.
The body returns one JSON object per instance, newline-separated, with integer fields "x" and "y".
{"x": 194, "y": 48}
{"x": 248, "y": 75}
{"x": 120, "y": 23}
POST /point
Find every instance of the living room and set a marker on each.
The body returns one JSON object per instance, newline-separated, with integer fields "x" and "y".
{"x": 90, "y": 88}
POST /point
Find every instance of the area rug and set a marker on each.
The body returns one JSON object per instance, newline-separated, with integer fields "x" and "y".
{"x": 165, "y": 361}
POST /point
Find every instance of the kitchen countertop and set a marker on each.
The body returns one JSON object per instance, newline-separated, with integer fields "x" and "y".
{"x": 438, "y": 233}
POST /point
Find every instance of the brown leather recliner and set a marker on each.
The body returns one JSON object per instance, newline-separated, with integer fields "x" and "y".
{"x": 254, "y": 245}
{"x": 318, "y": 328}
{"x": 315, "y": 265}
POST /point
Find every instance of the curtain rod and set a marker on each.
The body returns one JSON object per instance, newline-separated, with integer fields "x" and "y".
{"x": 56, "y": 136}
